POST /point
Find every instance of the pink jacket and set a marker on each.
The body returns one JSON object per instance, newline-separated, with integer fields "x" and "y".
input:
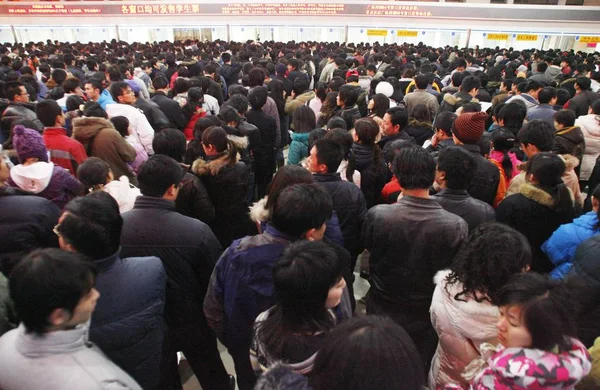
{"x": 462, "y": 327}
{"x": 534, "y": 369}
{"x": 499, "y": 156}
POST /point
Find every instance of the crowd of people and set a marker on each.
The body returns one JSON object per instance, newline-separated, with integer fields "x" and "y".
{"x": 158, "y": 198}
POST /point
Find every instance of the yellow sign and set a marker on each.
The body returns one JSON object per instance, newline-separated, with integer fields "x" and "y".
{"x": 407, "y": 33}
{"x": 377, "y": 33}
{"x": 589, "y": 39}
{"x": 497, "y": 37}
{"x": 527, "y": 37}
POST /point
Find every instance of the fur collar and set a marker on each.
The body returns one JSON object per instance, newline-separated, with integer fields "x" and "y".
{"x": 457, "y": 98}
{"x": 259, "y": 212}
{"x": 537, "y": 195}
{"x": 212, "y": 167}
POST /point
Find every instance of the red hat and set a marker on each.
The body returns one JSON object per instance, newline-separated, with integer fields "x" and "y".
{"x": 351, "y": 73}
{"x": 469, "y": 127}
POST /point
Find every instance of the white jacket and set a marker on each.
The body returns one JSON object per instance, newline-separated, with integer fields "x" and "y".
{"x": 462, "y": 327}
{"x": 142, "y": 129}
{"x": 590, "y": 127}
{"x": 124, "y": 193}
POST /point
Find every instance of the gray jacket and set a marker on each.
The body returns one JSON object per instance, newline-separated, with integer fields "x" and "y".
{"x": 62, "y": 360}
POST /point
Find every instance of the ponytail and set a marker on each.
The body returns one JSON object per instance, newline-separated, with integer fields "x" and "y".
{"x": 507, "y": 164}
{"x": 351, "y": 166}
{"x": 378, "y": 162}
{"x": 563, "y": 199}
{"x": 231, "y": 152}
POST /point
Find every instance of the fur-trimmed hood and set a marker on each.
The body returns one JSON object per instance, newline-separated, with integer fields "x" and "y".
{"x": 459, "y": 98}
{"x": 571, "y": 162}
{"x": 212, "y": 167}
{"x": 259, "y": 212}
{"x": 86, "y": 128}
{"x": 540, "y": 196}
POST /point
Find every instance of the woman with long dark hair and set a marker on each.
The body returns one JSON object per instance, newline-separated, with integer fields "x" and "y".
{"x": 541, "y": 206}
{"x": 503, "y": 141}
{"x": 308, "y": 284}
{"x": 193, "y": 110}
{"x": 462, "y": 311}
{"x": 369, "y": 160}
{"x": 328, "y": 109}
{"x": 363, "y": 353}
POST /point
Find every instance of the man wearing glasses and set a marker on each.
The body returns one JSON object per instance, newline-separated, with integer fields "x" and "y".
{"x": 19, "y": 108}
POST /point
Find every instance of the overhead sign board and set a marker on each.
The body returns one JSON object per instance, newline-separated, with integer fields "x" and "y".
{"x": 407, "y": 33}
{"x": 377, "y": 33}
{"x": 497, "y": 37}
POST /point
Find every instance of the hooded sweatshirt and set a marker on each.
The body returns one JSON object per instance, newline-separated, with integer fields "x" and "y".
{"x": 123, "y": 192}
{"x": 46, "y": 180}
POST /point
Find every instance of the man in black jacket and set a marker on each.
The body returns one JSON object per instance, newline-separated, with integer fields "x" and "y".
{"x": 264, "y": 153}
{"x": 467, "y": 129}
{"x": 409, "y": 242}
{"x": 170, "y": 107}
{"x": 348, "y": 200}
{"x": 394, "y": 122}
{"x": 189, "y": 250}
{"x": 18, "y": 108}
{"x": 229, "y": 71}
{"x": 454, "y": 172}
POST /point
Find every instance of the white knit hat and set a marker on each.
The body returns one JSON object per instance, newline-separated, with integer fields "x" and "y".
{"x": 385, "y": 88}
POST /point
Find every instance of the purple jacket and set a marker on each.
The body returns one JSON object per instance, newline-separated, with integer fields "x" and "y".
{"x": 61, "y": 188}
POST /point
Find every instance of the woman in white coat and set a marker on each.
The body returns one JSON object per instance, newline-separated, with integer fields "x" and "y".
{"x": 590, "y": 127}
{"x": 462, "y": 310}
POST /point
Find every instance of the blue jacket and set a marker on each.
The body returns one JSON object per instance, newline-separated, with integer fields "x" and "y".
{"x": 128, "y": 322}
{"x": 560, "y": 247}
{"x": 241, "y": 286}
{"x": 544, "y": 112}
{"x": 104, "y": 99}
{"x": 298, "y": 150}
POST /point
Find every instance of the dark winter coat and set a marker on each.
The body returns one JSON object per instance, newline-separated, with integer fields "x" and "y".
{"x": 187, "y": 247}
{"x": 172, "y": 110}
{"x": 8, "y": 315}
{"x": 532, "y": 213}
{"x": 157, "y": 119}
{"x": 582, "y": 101}
{"x": 409, "y": 242}
{"x": 231, "y": 73}
{"x": 450, "y": 103}
{"x": 350, "y": 116}
{"x": 487, "y": 177}
{"x": 569, "y": 140}
{"x": 420, "y": 131}
{"x": 17, "y": 111}
{"x": 350, "y": 206}
{"x": 241, "y": 286}
{"x": 459, "y": 202}
{"x": 264, "y": 151}
{"x": 227, "y": 185}
{"x": 128, "y": 323}
{"x": 373, "y": 173}
{"x": 193, "y": 200}
{"x": 586, "y": 272}
{"x": 26, "y": 223}
{"x": 101, "y": 140}
{"x": 386, "y": 141}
